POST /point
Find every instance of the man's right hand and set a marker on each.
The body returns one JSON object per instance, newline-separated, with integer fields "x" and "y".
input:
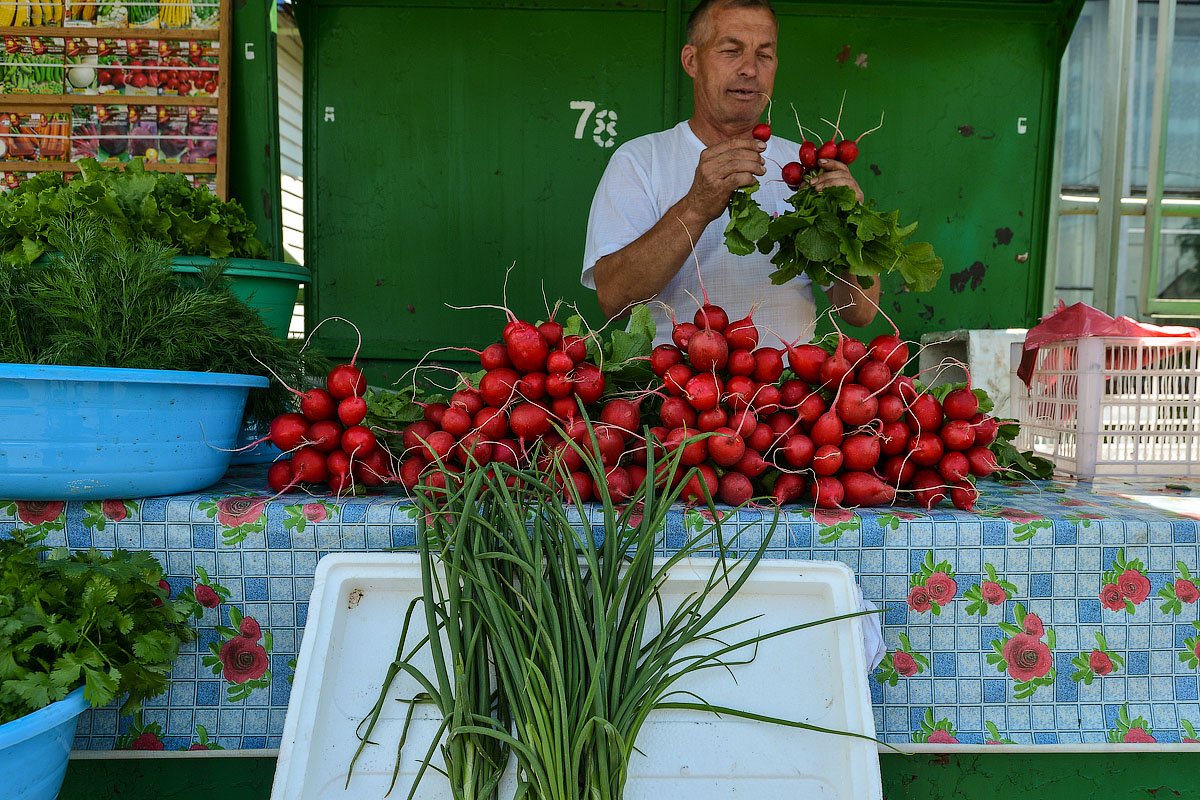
{"x": 723, "y": 168}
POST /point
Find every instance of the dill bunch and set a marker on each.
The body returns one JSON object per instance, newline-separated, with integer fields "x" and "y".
{"x": 106, "y": 301}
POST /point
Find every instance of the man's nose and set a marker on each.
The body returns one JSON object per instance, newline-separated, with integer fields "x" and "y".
{"x": 748, "y": 67}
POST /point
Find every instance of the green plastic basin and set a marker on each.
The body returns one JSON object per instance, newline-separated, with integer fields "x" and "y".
{"x": 269, "y": 287}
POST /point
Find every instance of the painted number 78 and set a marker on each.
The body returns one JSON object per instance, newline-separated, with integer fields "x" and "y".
{"x": 604, "y": 130}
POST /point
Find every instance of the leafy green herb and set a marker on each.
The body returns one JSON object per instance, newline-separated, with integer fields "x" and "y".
{"x": 623, "y": 353}
{"x": 104, "y": 301}
{"x": 84, "y": 619}
{"x": 1009, "y": 458}
{"x": 830, "y": 233}
{"x": 134, "y": 203}
{"x": 389, "y": 410}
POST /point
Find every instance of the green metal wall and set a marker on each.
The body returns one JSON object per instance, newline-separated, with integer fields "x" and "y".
{"x": 441, "y": 147}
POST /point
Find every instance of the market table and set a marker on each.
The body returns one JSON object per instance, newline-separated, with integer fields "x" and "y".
{"x": 1056, "y": 613}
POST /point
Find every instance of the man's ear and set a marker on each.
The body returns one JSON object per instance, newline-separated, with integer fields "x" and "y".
{"x": 688, "y": 59}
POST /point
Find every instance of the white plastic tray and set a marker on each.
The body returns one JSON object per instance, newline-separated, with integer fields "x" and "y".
{"x": 817, "y": 675}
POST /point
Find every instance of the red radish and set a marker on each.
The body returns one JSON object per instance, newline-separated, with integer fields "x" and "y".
{"x": 676, "y": 378}
{"x": 308, "y": 466}
{"x": 903, "y": 387}
{"x": 798, "y": 450}
{"x": 986, "y": 429}
{"x": 288, "y": 431}
{"x": 325, "y": 435}
{"x": 664, "y": 357}
{"x": 855, "y": 405}
{"x": 860, "y": 452}
{"x": 792, "y": 393}
{"x": 437, "y": 446}
{"x": 864, "y": 489}
{"x": 494, "y": 356}
{"x": 624, "y": 414}
{"x": 576, "y": 430}
{"x": 874, "y": 375}
{"x": 712, "y": 317}
{"x": 752, "y": 464}
{"x": 575, "y": 346}
{"x": 467, "y": 399}
{"x": 765, "y": 399}
{"x": 703, "y": 391}
{"x": 925, "y": 414}
{"x": 491, "y": 422}
{"x": 743, "y": 422}
{"x": 532, "y": 385}
{"x": 340, "y": 484}
{"x": 768, "y": 365}
{"x": 610, "y": 444}
{"x": 726, "y": 448}
{"x": 982, "y": 462}
{"x": 410, "y": 472}
{"x": 806, "y": 360}
{"x": 712, "y": 419}
{"x": 564, "y": 407}
{"x": 505, "y": 451}
{"x": 835, "y": 370}
{"x": 890, "y": 350}
{"x": 589, "y": 383}
{"x": 528, "y": 421}
{"x": 964, "y": 496}
{"x": 741, "y": 362}
{"x": 893, "y": 438}
{"x": 828, "y": 492}
{"x": 808, "y": 154}
{"x": 682, "y": 333}
{"x": 620, "y": 485}
{"x": 707, "y": 351}
{"x": 891, "y": 408}
{"x": 346, "y": 380}
{"x": 762, "y": 132}
{"x": 853, "y": 350}
{"x": 742, "y": 334}
{"x": 279, "y": 476}
{"x": 827, "y": 430}
{"x": 526, "y": 348}
{"x": 497, "y": 386}
{"x": 418, "y": 432}
{"x": 551, "y": 331}
{"x": 827, "y": 151}
{"x": 961, "y": 404}
{"x": 928, "y": 489}
{"x": 559, "y": 362}
{"x": 352, "y": 410}
{"x": 762, "y": 437}
{"x": 898, "y": 471}
{"x": 792, "y": 174}
{"x": 827, "y": 460}
{"x": 694, "y": 452}
{"x": 810, "y": 410}
{"x": 338, "y": 463}
{"x": 358, "y": 441}
{"x": 788, "y": 488}
{"x": 434, "y": 411}
{"x": 583, "y": 485}
{"x": 782, "y": 423}
{"x": 374, "y": 470}
{"x": 702, "y": 479}
{"x": 957, "y": 434}
{"x": 734, "y": 489}
{"x": 847, "y": 151}
{"x": 456, "y": 422}
{"x": 739, "y": 392}
{"x": 954, "y": 467}
{"x": 677, "y": 413}
{"x": 317, "y": 404}
{"x": 637, "y": 476}
{"x": 926, "y": 449}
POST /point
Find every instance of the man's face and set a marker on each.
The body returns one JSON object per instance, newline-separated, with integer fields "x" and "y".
{"x": 733, "y": 66}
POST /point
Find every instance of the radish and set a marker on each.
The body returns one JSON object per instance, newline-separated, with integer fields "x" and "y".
{"x": 352, "y": 410}
{"x": 528, "y": 421}
{"x": 456, "y": 422}
{"x": 890, "y": 350}
{"x": 926, "y": 449}
{"x": 494, "y": 356}
{"x": 682, "y": 333}
{"x": 752, "y": 464}
{"x": 637, "y": 476}
{"x": 437, "y": 446}
{"x": 855, "y": 405}
{"x": 338, "y": 463}
{"x": 792, "y": 393}
{"x": 925, "y": 414}
{"x": 551, "y": 331}
{"x": 564, "y": 408}
{"x": 288, "y": 431}
{"x": 707, "y": 350}
{"x": 742, "y": 334}
{"x": 788, "y": 487}
{"x": 712, "y": 419}
{"x": 893, "y": 438}
{"x": 663, "y": 357}
{"x": 416, "y": 433}
{"x": 694, "y": 452}
{"x": 620, "y": 484}
{"x": 734, "y": 489}
{"x": 474, "y": 448}
{"x": 279, "y": 476}
{"x": 532, "y": 385}
{"x": 375, "y": 469}
{"x": 762, "y": 438}
{"x": 874, "y": 375}
{"x": 526, "y": 348}
{"x": 711, "y": 317}
{"x": 854, "y": 351}
{"x": 964, "y": 495}
{"x": 810, "y": 410}
{"x": 847, "y": 151}
{"x": 957, "y": 434}
{"x": 340, "y": 484}
{"x": 410, "y": 472}
{"x": 583, "y": 485}
{"x": 903, "y": 387}
{"x": 703, "y": 391}
{"x": 765, "y": 399}
{"x": 986, "y": 429}
{"x": 961, "y": 404}
{"x": 828, "y": 492}
{"x": 864, "y": 489}
{"x": 741, "y": 362}
{"x": 739, "y": 392}
{"x": 610, "y": 445}
{"x": 891, "y": 408}
{"x": 782, "y": 423}
{"x": 325, "y": 435}
{"x": 358, "y": 441}
{"x": 677, "y": 413}
{"x": 589, "y": 383}
{"x": 468, "y": 400}
{"x": 827, "y": 151}
{"x": 575, "y": 430}
{"x": 954, "y": 467}
{"x": 744, "y": 422}
{"x": 726, "y": 448}
{"x": 559, "y": 362}
{"x": 835, "y": 369}
{"x": 491, "y": 422}
{"x": 496, "y": 387}
{"x": 346, "y": 380}
{"x": 676, "y": 378}
{"x": 768, "y": 365}
{"x": 827, "y": 430}
{"x": 806, "y": 360}
{"x": 762, "y": 132}
{"x": 308, "y": 466}
{"x": 808, "y": 154}
{"x": 898, "y": 471}
{"x": 827, "y": 460}
{"x": 928, "y": 489}
{"x": 798, "y": 451}
{"x": 318, "y": 404}
{"x": 982, "y": 462}
{"x": 792, "y": 174}
{"x": 624, "y": 414}
{"x": 575, "y": 346}
{"x": 860, "y": 452}
{"x": 701, "y": 485}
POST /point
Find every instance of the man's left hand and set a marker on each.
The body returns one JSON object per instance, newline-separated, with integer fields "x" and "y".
{"x": 835, "y": 173}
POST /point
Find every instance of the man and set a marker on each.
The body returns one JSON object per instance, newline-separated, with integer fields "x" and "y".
{"x": 662, "y": 192}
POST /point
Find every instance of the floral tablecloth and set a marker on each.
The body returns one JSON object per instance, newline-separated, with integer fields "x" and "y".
{"x": 1056, "y": 613}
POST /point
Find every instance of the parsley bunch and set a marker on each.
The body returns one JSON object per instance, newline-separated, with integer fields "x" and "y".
{"x": 828, "y": 233}
{"x": 84, "y": 619}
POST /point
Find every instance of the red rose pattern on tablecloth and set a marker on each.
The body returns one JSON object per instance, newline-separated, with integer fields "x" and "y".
{"x": 207, "y": 593}
{"x": 1189, "y": 731}
{"x": 1191, "y": 649}
{"x": 239, "y": 657}
{"x": 297, "y": 518}
{"x": 1180, "y": 592}
{"x": 38, "y": 518}
{"x": 1096, "y": 664}
{"x": 97, "y": 514}
{"x": 994, "y": 736}
{"x": 932, "y": 586}
{"x": 1131, "y": 731}
{"x": 1026, "y": 524}
{"x": 1124, "y": 585}
{"x": 237, "y": 516}
{"x": 833, "y": 523}
{"x": 941, "y": 731}
{"x": 993, "y": 591}
{"x": 1024, "y": 656}
{"x": 901, "y": 662}
{"x": 206, "y": 597}
{"x": 141, "y": 736}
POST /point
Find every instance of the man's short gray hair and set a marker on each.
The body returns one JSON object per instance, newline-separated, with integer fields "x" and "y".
{"x": 700, "y": 14}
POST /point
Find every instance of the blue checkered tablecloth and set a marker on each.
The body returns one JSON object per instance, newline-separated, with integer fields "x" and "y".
{"x": 1056, "y": 613}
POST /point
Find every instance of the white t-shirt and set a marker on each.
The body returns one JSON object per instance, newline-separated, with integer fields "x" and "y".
{"x": 648, "y": 175}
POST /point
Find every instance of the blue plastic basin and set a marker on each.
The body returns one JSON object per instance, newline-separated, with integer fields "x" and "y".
{"x": 95, "y": 433}
{"x": 34, "y": 749}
